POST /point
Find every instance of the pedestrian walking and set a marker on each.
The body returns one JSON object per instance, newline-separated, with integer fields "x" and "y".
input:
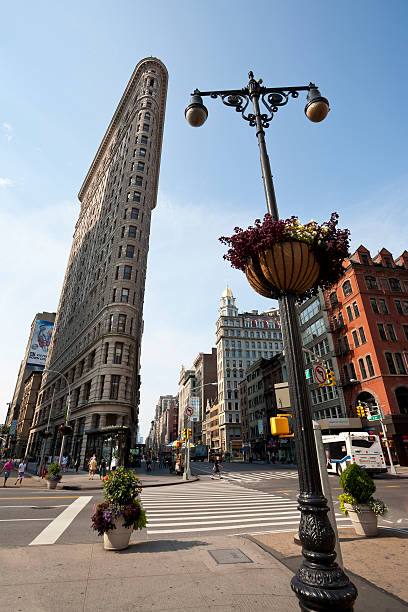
{"x": 114, "y": 463}
{"x": 92, "y": 467}
{"x": 21, "y": 470}
{"x": 7, "y": 467}
{"x": 216, "y": 470}
{"x": 102, "y": 468}
{"x": 77, "y": 464}
{"x": 64, "y": 463}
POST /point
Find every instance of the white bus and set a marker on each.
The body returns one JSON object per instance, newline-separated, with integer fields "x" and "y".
{"x": 358, "y": 447}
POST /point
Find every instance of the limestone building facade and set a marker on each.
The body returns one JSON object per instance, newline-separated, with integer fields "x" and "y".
{"x": 95, "y": 354}
{"x": 242, "y": 339}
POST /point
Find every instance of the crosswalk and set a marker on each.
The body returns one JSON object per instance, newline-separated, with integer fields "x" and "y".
{"x": 250, "y": 476}
{"x": 218, "y": 506}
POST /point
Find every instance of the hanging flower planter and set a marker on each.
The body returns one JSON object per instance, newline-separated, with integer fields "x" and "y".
{"x": 65, "y": 430}
{"x": 287, "y": 257}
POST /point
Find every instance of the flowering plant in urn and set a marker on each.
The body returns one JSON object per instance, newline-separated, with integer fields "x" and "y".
{"x": 286, "y": 255}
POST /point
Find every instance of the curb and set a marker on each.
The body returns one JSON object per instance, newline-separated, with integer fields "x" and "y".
{"x": 67, "y": 487}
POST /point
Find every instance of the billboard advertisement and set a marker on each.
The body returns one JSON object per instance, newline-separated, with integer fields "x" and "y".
{"x": 194, "y": 403}
{"x": 40, "y": 343}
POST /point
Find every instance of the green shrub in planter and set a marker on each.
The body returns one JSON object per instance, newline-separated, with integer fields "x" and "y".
{"x": 54, "y": 471}
{"x": 358, "y": 487}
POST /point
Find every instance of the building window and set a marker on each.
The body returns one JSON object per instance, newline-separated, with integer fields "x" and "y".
{"x": 117, "y": 358}
{"x": 383, "y": 306}
{"x": 117, "y": 273}
{"x": 87, "y": 390}
{"x": 364, "y": 259}
{"x": 106, "y": 352}
{"x": 341, "y": 320}
{"x": 145, "y": 127}
{"x": 388, "y": 262}
{"x": 349, "y": 313}
{"x": 391, "y": 332}
{"x": 121, "y": 323}
{"x": 333, "y": 298}
{"x": 381, "y": 329}
{"x": 346, "y": 344}
{"x": 102, "y": 385}
{"x": 139, "y": 181}
{"x": 405, "y": 331}
{"x": 132, "y": 231}
{"x": 395, "y": 284}
{"x": 362, "y": 335}
{"x": 142, "y": 153}
{"x": 353, "y": 371}
{"x": 130, "y": 251}
{"x": 347, "y": 290}
{"x": 144, "y": 139}
{"x": 120, "y": 252}
{"x": 124, "y": 296}
{"x": 374, "y": 305}
{"x": 114, "y": 295}
{"x": 346, "y": 373}
{"x": 371, "y": 282}
{"x": 370, "y": 366}
{"x": 390, "y": 363}
{"x": 362, "y": 368}
{"x": 110, "y": 323}
{"x": 114, "y": 386}
{"x": 398, "y": 307}
{"x": 147, "y": 116}
{"x": 140, "y": 166}
{"x": 136, "y": 196}
{"x": 400, "y": 363}
{"x": 135, "y": 213}
{"x": 307, "y": 313}
{"x": 356, "y": 310}
{"x": 355, "y": 338}
{"x": 127, "y": 272}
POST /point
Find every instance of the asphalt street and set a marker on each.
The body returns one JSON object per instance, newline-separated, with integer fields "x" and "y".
{"x": 250, "y": 498}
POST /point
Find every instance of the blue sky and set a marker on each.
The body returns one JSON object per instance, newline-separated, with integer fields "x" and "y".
{"x": 63, "y": 69}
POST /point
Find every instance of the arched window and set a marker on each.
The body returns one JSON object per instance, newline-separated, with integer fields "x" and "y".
{"x": 347, "y": 290}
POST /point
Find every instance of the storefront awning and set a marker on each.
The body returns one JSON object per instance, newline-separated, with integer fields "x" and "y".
{"x": 109, "y": 429}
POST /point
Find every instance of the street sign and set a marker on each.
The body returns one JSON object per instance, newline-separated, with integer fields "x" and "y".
{"x": 320, "y": 375}
{"x": 189, "y": 411}
{"x": 307, "y": 373}
{"x": 375, "y": 417}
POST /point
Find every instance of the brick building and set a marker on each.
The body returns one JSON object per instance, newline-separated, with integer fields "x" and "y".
{"x": 368, "y": 313}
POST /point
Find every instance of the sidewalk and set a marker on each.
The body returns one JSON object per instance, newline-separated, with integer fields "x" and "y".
{"x": 183, "y": 575}
{"x": 80, "y": 480}
{"x": 377, "y": 566}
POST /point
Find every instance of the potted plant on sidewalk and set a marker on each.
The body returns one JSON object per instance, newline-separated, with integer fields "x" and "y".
{"x": 357, "y": 501}
{"x": 53, "y": 475}
{"x": 121, "y": 512}
{"x": 287, "y": 256}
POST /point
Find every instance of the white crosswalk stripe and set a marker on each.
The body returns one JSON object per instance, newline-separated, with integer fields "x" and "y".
{"x": 219, "y": 506}
{"x": 251, "y": 476}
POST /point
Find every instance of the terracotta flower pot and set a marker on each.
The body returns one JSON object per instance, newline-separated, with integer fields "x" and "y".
{"x": 285, "y": 267}
{"x": 364, "y": 522}
{"x": 117, "y": 539}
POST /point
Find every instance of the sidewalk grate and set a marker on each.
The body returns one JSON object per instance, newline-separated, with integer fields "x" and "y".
{"x": 229, "y": 555}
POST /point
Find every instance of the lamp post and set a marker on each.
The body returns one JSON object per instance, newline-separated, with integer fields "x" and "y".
{"x": 66, "y": 420}
{"x": 320, "y": 584}
{"x": 187, "y": 470}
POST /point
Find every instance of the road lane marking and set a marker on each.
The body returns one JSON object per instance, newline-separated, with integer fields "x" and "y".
{"x": 54, "y": 530}
{"x": 393, "y": 486}
{"x": 39, "y": 507}
{"x": 30, "y": 519}
{"x": 43, "y": 497}
{"x": 284, "y": 490}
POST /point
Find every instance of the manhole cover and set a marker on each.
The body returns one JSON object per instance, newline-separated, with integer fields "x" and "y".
{"x": 229, "y": 555}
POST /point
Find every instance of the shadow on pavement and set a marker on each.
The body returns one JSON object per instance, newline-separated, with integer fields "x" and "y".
{"x": 154, "y": 546}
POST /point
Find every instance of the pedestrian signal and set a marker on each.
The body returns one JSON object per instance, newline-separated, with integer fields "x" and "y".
{"x": 282, "y": 426}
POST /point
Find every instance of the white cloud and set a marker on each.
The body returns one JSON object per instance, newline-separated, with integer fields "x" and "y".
{"x": 8, "y": 130}
{"x": 6, "y": 182}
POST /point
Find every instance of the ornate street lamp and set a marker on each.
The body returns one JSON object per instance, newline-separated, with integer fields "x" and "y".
{"x": 320, "y": 584}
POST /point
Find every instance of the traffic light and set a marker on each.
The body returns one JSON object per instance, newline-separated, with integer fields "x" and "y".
{"x": 188, "y": 434}
{"x": 282, "y": 426}
{"x": 331, "y": 379}
{"x": 363, "y": 411}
